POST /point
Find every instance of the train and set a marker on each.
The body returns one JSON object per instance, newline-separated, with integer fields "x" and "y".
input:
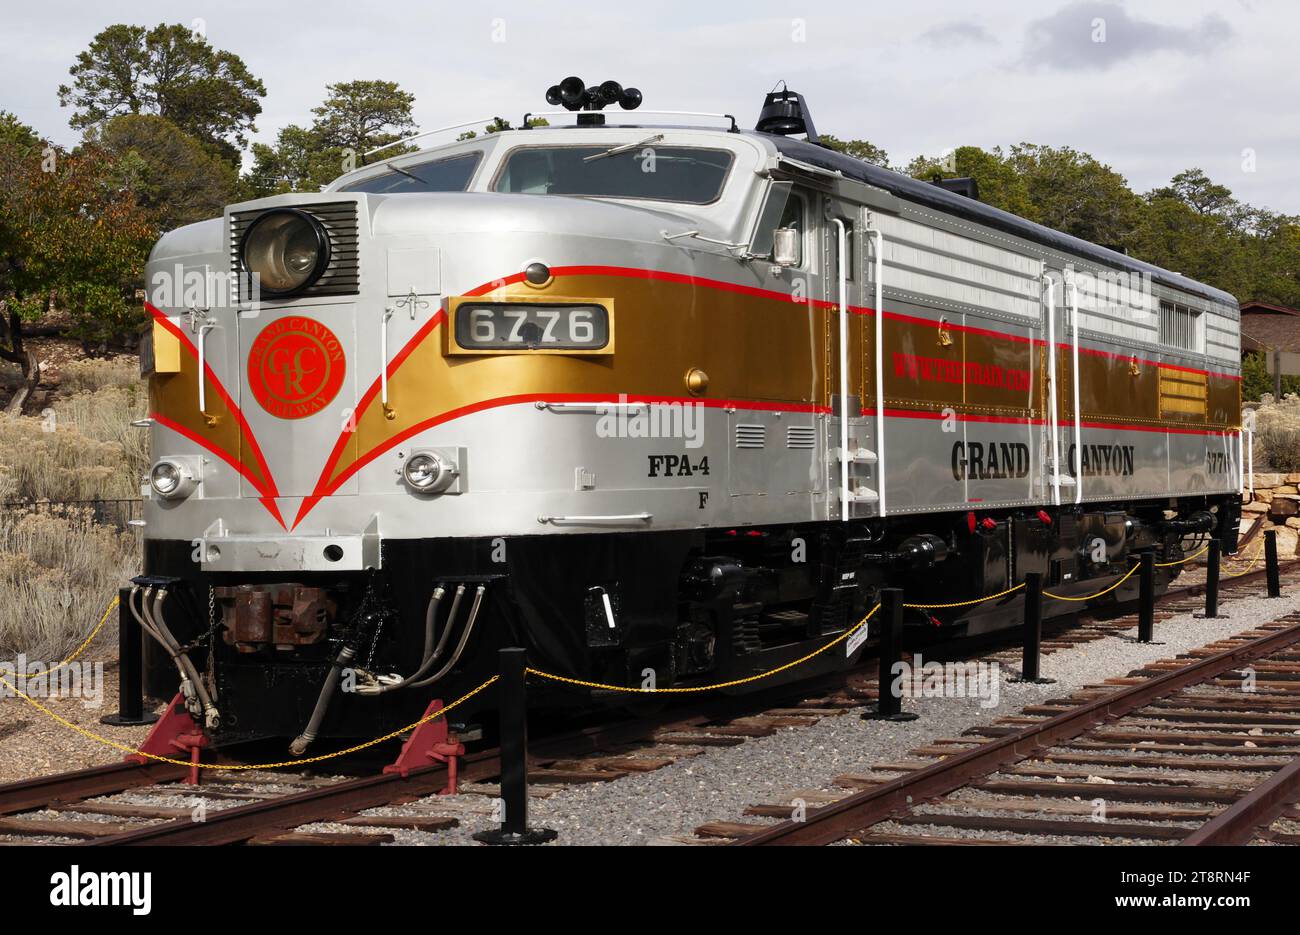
{"x": 666, "y": 404}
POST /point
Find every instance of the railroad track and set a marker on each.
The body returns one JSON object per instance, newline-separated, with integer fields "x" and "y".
{"x": 1177, "y": 752}
{"x": 132, "y": 804}
{"x": 154, "y": 807}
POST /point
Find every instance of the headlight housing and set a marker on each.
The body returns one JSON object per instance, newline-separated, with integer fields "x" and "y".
{"x": 429, "y": 472}
{"x": 172, "y": 478}
{"x": 286, "y": 249}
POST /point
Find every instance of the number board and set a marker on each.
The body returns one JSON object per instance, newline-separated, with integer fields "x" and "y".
{"x": 527, "y": 326}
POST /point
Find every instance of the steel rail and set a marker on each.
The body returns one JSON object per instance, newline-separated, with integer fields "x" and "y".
{"x": 1259, "y": 807}
{"x": 861, "y": 810}
{"x": 28, "y": 794}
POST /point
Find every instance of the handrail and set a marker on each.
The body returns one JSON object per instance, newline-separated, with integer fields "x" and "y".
{"x": 1051, "y": 387}
{"x": 383, "y": 356}
{"x": 879, "y": 237}
{"x": 594, "y": 408}
{"x": 200, "y": 323}
{"x": 1078, "y": 403}
{"x": 1250, "y": 457}
{"x": 592, "y": 520}
{"x": 842, "y": 250}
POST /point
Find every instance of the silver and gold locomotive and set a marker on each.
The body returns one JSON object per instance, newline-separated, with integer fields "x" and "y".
{"x": 652, "y": 402}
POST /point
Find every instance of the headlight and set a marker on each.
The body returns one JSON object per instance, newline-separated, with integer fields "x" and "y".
{"x": 286, "y": 249}
{"x": 171, "y": 479}
{"x": 429, "y": 472}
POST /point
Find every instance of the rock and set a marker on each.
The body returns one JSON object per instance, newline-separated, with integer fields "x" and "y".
{"x": 1293, "y": 522}
{"x": 1283, "y": 506}
{"x": 1287, "y": 540}
{"x": 1292, "y": 479}
{"x": 1255, "y": 507}
{"x": 1264, "y": 496}
{"x": 1269, "y": 480}
{"x": 1285, "y": 489}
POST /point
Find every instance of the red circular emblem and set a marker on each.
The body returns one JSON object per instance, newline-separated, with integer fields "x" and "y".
{"x": 295, "y": 367}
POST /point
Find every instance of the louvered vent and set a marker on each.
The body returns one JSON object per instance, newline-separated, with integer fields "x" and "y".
{"x": 750, "y": 436}
{"x": 800, "y": 436}
{"x": 341, "y": 277}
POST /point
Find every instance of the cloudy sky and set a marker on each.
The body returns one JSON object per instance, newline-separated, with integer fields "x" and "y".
{"x": 1148, "y": 87}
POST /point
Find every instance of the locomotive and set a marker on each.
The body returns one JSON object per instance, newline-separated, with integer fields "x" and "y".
{"x": 663, "y": 404}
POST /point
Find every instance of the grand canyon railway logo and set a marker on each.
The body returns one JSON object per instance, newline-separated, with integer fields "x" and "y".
{"x": 295, "y": 367}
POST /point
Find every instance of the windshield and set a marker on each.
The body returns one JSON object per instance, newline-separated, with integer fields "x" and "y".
{"x": 662, "y": 173}
{"x": 440, "y": 175}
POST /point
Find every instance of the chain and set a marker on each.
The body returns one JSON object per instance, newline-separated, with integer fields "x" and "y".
{"x": 210, "y": 672}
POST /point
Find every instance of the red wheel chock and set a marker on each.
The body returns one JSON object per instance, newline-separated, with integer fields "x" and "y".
{"x": 432, "y": 740}
{"x": 174, "y": 731}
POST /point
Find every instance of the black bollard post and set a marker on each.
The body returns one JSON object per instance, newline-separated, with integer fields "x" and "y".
{"x": 512, "y": 698}
{"x": 1033, "y": 631}
{"x": 130, "y": 662}
{"x": 889, "y": 707}
{"x": 1270, "y": 560}
{"x": 1212, "y": 580}
{"x": 1147, "y": 597}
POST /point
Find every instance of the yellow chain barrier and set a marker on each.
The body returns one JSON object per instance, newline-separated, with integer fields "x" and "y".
{"x": 441, "y": 712}
{"x": 87, "y": 641}
{"x": 977, "y": 600}
{"x": 1253, "y": 562}
{"x": 704, "y": 688}
{"x": 1183, "y": 561}
{"x": 1088, "y": 597}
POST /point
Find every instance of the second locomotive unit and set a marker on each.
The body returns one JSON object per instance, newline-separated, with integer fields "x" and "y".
{"x": 655, "y": 402}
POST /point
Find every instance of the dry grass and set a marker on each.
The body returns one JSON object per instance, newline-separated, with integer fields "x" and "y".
{"x": 1277, "y": 433}
{"x": 86, "y": 376}
{"x": 58, "y": 570}
{"x": 57, "y": 575}
{"x": 83, "y": 447}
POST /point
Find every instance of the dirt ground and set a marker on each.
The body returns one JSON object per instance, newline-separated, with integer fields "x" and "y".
{"x": 34, "y": 744}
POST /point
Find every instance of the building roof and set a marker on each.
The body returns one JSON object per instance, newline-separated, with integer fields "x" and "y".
{"x": 1267, "y": 327}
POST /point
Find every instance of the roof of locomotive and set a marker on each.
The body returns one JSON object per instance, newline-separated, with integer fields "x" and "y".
{"x": 940, "y": 199}
{"x": 898, "y": 184}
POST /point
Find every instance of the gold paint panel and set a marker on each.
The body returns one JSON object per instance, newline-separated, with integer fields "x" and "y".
{"x": 166, "y": 350}
{"x": 176, "y": 396}
{"x": 1224, "y": 402}
{"x": 1109, "y": 388}
{"x": 1183, "y": 393}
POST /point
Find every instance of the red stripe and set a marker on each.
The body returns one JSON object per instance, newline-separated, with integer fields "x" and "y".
{"x": 724, "y": 286}
{"x": 1065, "y": 424}
{"x": 628, "y": 272}
{"x": 266, "y": 500}
{"x": 244, "y": 427}
{"x": 1039, "y": 342}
